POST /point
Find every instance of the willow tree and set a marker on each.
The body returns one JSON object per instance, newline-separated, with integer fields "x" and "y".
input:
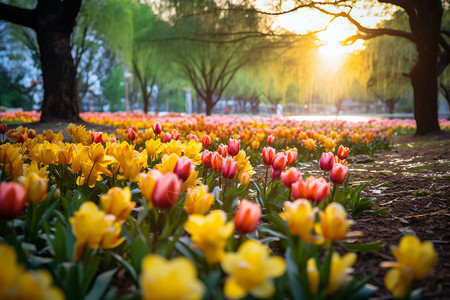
{"x": 53, "y": 22}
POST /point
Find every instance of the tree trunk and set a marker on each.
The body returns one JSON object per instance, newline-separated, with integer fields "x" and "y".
{"x": 209, "y": 105}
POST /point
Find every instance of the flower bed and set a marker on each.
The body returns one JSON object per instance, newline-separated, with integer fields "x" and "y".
{"x": 190, "y": 207}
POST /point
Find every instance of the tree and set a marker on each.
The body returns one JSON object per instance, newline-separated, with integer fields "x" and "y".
{"x": 53, "y": 22}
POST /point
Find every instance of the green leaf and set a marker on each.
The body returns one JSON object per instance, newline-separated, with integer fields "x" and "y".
{"x": 126, "y": 265}
{"x": 292, "y": 273}
{"x": 380, "y": 211}
{"x": 276, "y": 220}
{"x": 377, "y": 246}
{"x": 139, "y": 249}
{"x": 266, "y": 229}
{"x": 100, "y": 285}
{"x": 365, "y": 292}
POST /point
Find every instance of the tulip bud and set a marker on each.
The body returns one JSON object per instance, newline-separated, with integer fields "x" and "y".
{"x": 229, "y": 167}
{"x": 206, "y": 140}
{"x": 343, "y": 152}
{"x": 338, "y": 173}
{"x": 327, "y": 161}
{"x": 3, "y": 128}
{"x": 298, "y": 189}
{"x": 275, "y": 174}
{"x": 183, "y": 168}
{"x": 244, "y": 178}
{"x": 290, "y": 176}
{"x": 207, "y": 159}
{"x": 291, "y": 157}
{"x": 157, "y": 127}
{"x": 270, "y": 139}
{"x": 223, "y": 150}
{"x": 247, "y": 216}
{"x": 217, "y": 162}
{"x": 233, "y": 147}
{"x": 167, "y": 137}
{"x": 131, "y": 134}
{"x": 268, "y": 155}
{"x": 279, "y": 162}
{"x": 166, "y": 191}
{"x": 12, "y": 199}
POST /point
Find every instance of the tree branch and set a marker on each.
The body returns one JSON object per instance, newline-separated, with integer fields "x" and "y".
{"x": 19, "y": 16}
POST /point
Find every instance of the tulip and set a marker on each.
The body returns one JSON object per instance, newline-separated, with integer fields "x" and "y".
{"x": 166, "y": 191}
{"x": 131, "y": 134}
{"x": 164, "y": 279}
{"x": 206, "y": 140}
{"x": 183, "y": 168}
{"x": 21, "y": 138}
{"x": 210, "y": 234}
{"x": 167, "y": 137}
{"x": 35, "y": 187}
{"x": 97, "y": 137}
{"x": 270, "y": 139}
{"x": 327, "y": 161}
{"x": 338, "y": 173}
{"x": 31, "y": 133}
{"x": 229, "y": 167}
{"x": 223, "y": 150}
{"x": 217, "y": 162}
{"x": 244, "y": 178}
{"x": 247, "y": 216}
{"x": 233, "y": 147}
{"x": 279, "y": 162}
{"x": 198, "y": 200}
{"x": 157, "y": 127}
{"x": 175, "y": 135}
{"x": 118, "y": 202}
{"x": 275, "y": 174}
{"x": 3, "y": 128}
{"x": 317, "y": 189}
{"x": 251, "y": 270}
{"x": 207, "y": 159}
{"x": 343, "y": 152}
{"x": 12, "y": 200}
{"x": 298, "y": 189}
{"x": 268, "y": 155}
{"x": 147, "y": 185}
{"x": 291, "y": 157}
{"x": 290, "y": 176}
{"x": 334, "y": 225}
{"x": 192, "y": 137}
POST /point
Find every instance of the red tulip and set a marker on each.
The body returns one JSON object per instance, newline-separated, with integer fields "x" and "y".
{"x": 223, "y": 150}
{"x": 268, "y": 155}
{"x": 157, "y": 127}
{"x": 343, "y": 152}
{"x": 338, "y": 173}
{"x": 229, "y": 167}
{"x": 207, "y": 159}
{"x": 291, "y": 157}
{"x": 183, "y": 168}
{"x": 247, "y": 216}
{"x": 131, "y": 134}
{"x": 3, "y": 128}
{"x": 298, "y": 189}
{"x": 206, "y": 140}
{"x": 97, "y": 137}
{"x": 290, "y": 176}
{"x": 270, "y": 139}
{"x": 12, "y": 200}
{"x": 233, "y": 147}
{"x": 175, "y": 135}
{"x": 327, "y": 161}
{"x": 21, "y": 138}
{"x": 167, "y": 137}
{"x": 166, "y": 191}
{"x": 217, "y": 162}
{"x": 317, "y": 188}
{"x": 275, "y": 174}
{"x": 280, "y": 161}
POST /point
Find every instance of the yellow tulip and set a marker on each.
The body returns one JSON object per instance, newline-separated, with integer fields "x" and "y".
{"x": 90, "y": 225}
{"x": 398, "y": 281}
{"x": 191, "y": 181}
{"x": 35, "y": 187}
{"x": 48, "y": 153}
{"x": 173, "y": 147}
{"x": 334, "y": 224}
{"x": 10, "y": 271}
{"x": 310, "y": 144}
{"x": 339, "y": 272}
{"x": 167, "y": 163}
{"x": 192, "y": 150}
{"x": 210, "y": 233}
{"x": 131, "y": 165}
{"x": 251, "y": 270}
{"x": 175, "y": 279}
{"x": 198, "y": 200}
{"x": 153, "y": 148}
{"x": 147, "y": 185}
{"x": 65, "y": 153}
{"x": 118, "y": 203}
{"x": 300, "y": 217}
{"x": 96, "y": 153}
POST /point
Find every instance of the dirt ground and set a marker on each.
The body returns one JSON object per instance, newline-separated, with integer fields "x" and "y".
{"x": 417, "y": 172}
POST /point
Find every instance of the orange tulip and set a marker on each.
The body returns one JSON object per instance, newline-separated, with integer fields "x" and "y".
{"x": 279, "y": 162}
{"x": 247, "y": 216}
{"x": 343, "y": 152}
{"x": 217, "y": 162}
{"x": 291, "y": 157}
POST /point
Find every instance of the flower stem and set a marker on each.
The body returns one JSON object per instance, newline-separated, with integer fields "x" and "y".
{"x": 334, "y": 191}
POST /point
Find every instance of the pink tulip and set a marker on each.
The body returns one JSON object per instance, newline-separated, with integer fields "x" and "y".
{"x": 183, "y": 168}
{"x": 229, "y": 167}
{"x": 280, "y": 161}
{"x": 233, "y": 147}
{"x": 166, "y": 191}
{"x": 12, "y": 200}
{"x": 338, "y": 173}
{"x": 206, "y": 140}
{"x": 275, "y": 174}
{"x": 290, "y": 176}
{"x": 270, "y": 139}
{"x": 268, "y": 155}
{"x": 157, "y": 127}
{"x": 327, "y": 161}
